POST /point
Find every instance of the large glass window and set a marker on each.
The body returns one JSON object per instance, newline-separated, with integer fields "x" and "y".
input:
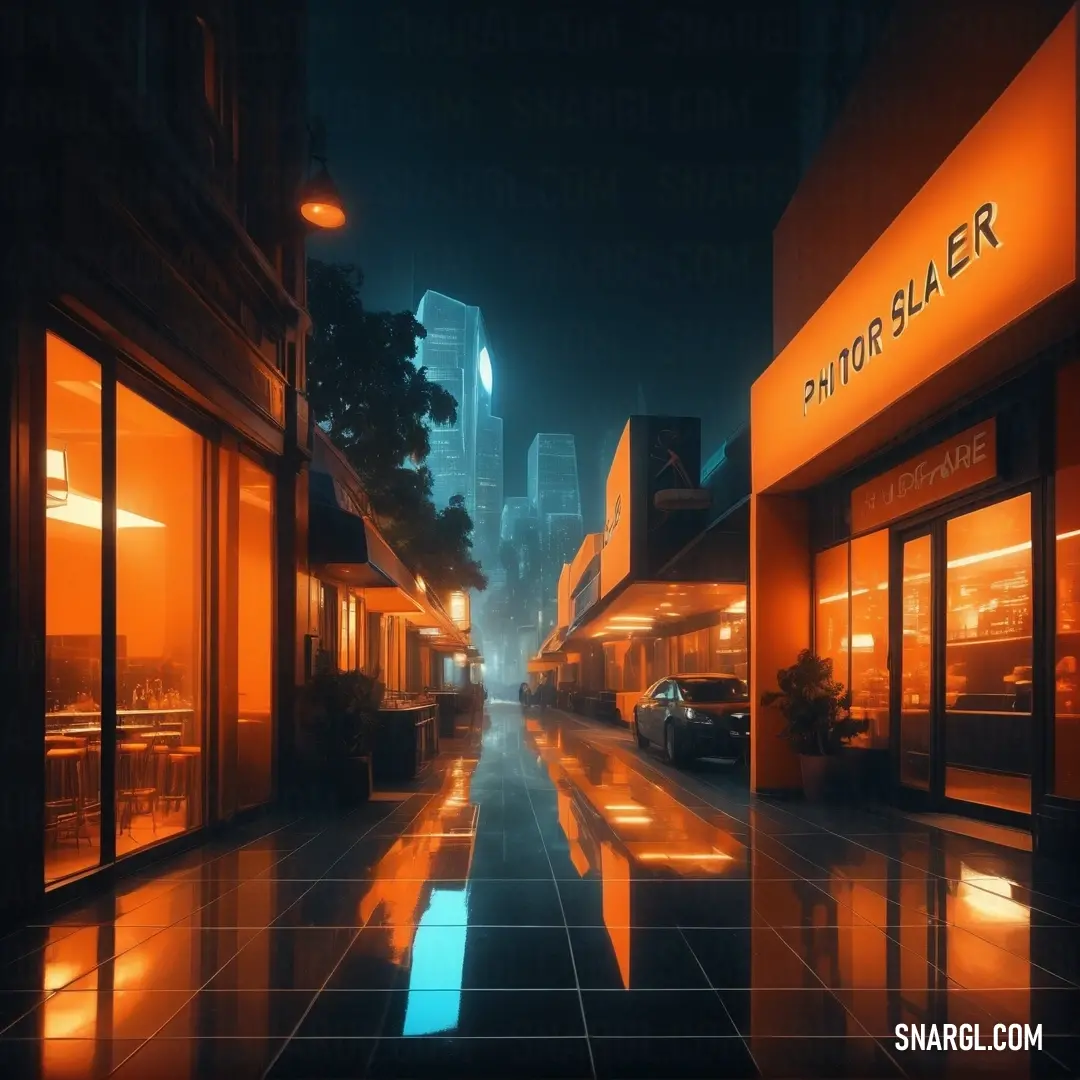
{"x": 831, "y": 609}
{"x": 255, "y": 628}
{"x": 989, "y": 656}
{"x": 727, "y": 645}
{"x": 694, "y": 651}
{"x": 73, "y": 534}
{"x": 160, "y": 603}
{"x": 916, "y": 658}
{"x": 869, "y": 638}
{"x": 1066, "y": 771}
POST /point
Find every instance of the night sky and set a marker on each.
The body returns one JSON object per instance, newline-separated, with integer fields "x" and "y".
{"x": 601, "y": 179}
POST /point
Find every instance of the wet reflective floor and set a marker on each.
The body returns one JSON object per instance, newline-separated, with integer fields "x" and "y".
{"x": 555, "y": 903}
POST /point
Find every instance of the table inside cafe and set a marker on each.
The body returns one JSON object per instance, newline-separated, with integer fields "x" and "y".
{"x": 159, "y": 724}
{"x": 157, "y": 779}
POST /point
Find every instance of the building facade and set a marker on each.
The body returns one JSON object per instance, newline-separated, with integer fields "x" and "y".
{"x": 515, "y": 508}
{"x": 153, "y": 355}
{"x": 915, "y": 471}
{"x": 466, "y": 457}
{"x": 562, "y": 536}
{"x": 552, "y": 476}
{"x": 158, "y": 483}
{"x": 660, "y": 590}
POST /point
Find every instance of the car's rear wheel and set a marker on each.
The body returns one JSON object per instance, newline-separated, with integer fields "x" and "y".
{"x": 643, "y": 743}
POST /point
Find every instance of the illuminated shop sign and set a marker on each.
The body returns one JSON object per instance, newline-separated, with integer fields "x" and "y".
{"x": 966, "y": 244}
{"x": 613, "y": 522}
{"x": 1004, "y": 197}
{"x": 960, "y": 463}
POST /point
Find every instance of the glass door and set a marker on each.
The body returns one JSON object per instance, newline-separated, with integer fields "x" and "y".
{"x": 987, "y": 721}
{"x": 962, "y": 675}
{"x": 912, "y": 677}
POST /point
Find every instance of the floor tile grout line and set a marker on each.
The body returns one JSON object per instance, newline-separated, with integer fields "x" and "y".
{"x": 719, "y": 997}
{"x": 836, "y": 997}
{"x": 821, "y": 831}
{"x": 562, "y": 909}
{"x": 341, "y": 959}
{"x": 818, "y": 828}
{"x": 199, "y": 990}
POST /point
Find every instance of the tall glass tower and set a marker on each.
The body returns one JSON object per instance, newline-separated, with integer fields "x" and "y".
{"x": 515, "y": 508}
{"x": 467, "y": 456}
{"x": 553, "y": 476}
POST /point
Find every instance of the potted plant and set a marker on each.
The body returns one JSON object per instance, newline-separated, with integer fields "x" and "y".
{"x": 339, "y": 711}
{"x": 817, "y": 718}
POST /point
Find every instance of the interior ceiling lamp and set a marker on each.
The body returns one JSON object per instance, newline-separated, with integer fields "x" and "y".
{"x": 56, "y": 478}
{"x": 320, "y": 203}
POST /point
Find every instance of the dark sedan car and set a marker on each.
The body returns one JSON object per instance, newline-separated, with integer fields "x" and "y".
{"x": 695, "y": 716}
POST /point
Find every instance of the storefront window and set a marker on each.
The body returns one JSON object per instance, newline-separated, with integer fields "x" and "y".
{"x": 160, "y": 593}
{"x": 73, "y": 534}
{"x": 727, "y": 646}
{"x": 916, "y": 657}
{"x": 869, "y": 637}
{"x": 255, "y": 629}
{"x": 347, "y": 635}
{"x": 989, "y": 656}
{"x": 328, "y": 626}
{"x": 1066, "y": 771}
{"x": 831, "y": 609}
{"x": 694, "y": 652}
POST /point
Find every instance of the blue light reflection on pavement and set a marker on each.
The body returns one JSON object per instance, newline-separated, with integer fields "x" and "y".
{"x": 438, "y": 961}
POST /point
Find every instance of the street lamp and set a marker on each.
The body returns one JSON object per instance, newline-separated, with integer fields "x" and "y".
{"x": 320, "y": 203}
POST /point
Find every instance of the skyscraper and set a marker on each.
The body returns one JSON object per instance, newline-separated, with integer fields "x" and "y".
{"x": 488, "y": 497}
{"x": 515, "y": 508}
{"x": 466, "y": 457}
{"x": 553, "y": 476}
{"x": 563, "y": 534}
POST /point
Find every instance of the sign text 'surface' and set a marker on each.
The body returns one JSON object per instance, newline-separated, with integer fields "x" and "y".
{"x": 966, "y": 244}
{"x": 955, "y": 465}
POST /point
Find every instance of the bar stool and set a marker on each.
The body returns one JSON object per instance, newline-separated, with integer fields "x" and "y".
{"x": 132, "y": 787}
{"x": 64, "y": 791}
{"x": 185, "y": 777}
{"x": 161, "y": 751}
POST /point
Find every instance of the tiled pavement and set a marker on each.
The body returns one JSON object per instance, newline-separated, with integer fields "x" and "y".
{"x": 554, "y": 904}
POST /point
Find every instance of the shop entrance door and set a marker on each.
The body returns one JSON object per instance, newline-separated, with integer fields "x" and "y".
{"x": 962, "y": 668}
{"x": 913, "y": 672}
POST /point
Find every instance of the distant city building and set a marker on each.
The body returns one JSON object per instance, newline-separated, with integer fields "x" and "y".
{"x": 515, "y": 509}
{"x": 488, "y": 490}
{"x": 553, "y": 476}
{"x": 466, "y": 457}
{"x": 563, "y": 534}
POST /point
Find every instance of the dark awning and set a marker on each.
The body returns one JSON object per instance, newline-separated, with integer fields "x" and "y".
{"x": 338, "y": 538}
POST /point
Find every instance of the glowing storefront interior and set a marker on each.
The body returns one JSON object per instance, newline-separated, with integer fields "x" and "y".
{"x": 143, "y": 692}
{"x": 943, "y": 553}
{"x": 619, "y": 630}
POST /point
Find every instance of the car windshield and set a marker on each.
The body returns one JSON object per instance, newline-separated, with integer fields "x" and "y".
{"x": 713, "y": 691}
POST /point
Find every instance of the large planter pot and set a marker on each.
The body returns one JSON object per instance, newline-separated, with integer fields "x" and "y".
{"x": 352, "y": 781}
{"x": 819, "y": 773}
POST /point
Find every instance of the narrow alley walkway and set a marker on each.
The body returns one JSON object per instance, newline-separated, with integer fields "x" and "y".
{"x": 553, "y": 904}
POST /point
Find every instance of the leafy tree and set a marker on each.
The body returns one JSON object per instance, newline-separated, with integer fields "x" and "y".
{"x": 366, "y": 391}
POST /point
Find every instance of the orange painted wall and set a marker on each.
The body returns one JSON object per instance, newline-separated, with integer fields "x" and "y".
{"x": 891, "y": 135}
{"x": 1021, "y": 156}
{"x": 779, "y": 611}
{"x": 615, "y": 556}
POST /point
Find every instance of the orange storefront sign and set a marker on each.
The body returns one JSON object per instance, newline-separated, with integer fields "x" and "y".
{"x": 615, "y": 554}
{"x": 990, "y": 236}
{"x": 956, "y": 465}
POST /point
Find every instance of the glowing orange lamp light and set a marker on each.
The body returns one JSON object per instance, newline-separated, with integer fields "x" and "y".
{"x": 320, "y": 203}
